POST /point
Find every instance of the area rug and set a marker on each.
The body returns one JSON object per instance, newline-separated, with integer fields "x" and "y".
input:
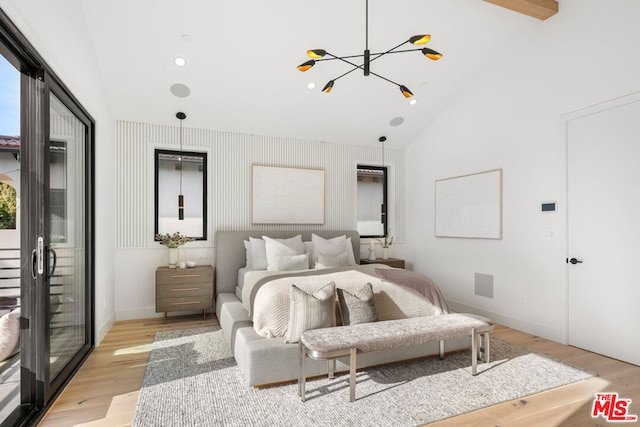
{"x": 193, "y": 380}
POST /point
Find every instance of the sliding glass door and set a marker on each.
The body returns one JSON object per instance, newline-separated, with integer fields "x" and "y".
{"x": 69, "y": 297}
{"x": 53, "y": 153}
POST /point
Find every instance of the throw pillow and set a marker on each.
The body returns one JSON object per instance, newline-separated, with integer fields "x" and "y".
{"x": 282, "y": 247}
{"x": 290, "y": 263}
{"x": 310, "y": 311}
{"x": 247, "y": 252}
{"x": 358, "y": 308}
{"x": 334, "y": 246}
{"x": 329, "y": 261}
{"x": 258, "y": 254}
{"x": 9, "y": 334}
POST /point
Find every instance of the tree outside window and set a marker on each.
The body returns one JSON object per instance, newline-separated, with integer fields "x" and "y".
{"x": 8, "y": 207}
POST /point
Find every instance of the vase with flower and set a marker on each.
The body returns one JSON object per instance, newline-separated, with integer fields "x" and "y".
{"x": 385, "y": 243}
{"x": 173, "y": 242}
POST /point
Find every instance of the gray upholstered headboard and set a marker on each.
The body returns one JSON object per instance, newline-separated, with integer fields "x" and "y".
{"x": 230, "y": 252}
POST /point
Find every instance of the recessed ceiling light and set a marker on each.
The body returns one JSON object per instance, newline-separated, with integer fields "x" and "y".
{"x": 185, "y": 37}
{"x": 397, "y": 121}
{"x": 413, "y": 101}
{"x": 180, "y": 90}
{"x": 180, "y": 62}
{"x": 311, "y": 85}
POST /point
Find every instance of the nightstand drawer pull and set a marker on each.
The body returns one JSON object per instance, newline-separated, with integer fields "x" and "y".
{"x": 185, "y": 303}
{"x": 184, "y": 275}
{"x": 184, "y": 289}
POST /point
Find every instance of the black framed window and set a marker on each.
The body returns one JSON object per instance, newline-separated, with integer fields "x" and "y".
{"x": 181, "y": 173}
{"x": 372, "y": 201}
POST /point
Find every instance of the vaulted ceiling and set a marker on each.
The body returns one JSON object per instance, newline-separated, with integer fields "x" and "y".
{"x": 241, "y": 60}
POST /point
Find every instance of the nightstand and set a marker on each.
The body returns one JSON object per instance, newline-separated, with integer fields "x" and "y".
{"x": 184, "y": 289}
{"x": 391, "y": 262}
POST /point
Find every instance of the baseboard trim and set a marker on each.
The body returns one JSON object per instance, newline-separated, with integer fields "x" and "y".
{"x": 543, "y": 331}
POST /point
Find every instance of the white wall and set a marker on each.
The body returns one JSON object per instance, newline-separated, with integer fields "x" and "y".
{"x": 512, "y": 117}
{"x": 230, "y": 157}
{"x": 58, "y": 32}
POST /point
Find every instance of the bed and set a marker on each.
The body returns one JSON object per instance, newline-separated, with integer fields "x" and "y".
{"x": 255, "y": 310}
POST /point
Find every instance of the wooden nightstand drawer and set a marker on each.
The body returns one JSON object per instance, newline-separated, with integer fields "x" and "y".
{"x": 184, "y": 289}
{"x": 183, "y": 303}
{"x": 201, "y": 274}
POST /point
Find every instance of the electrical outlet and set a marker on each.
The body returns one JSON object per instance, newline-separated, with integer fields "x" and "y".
{"x": 202, "y": 254}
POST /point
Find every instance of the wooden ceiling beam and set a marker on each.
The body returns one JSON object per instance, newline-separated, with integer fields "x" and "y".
{"x": 541, "y": 9}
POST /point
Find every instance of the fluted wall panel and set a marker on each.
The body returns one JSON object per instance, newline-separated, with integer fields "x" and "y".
{"x": 231, "y": 156}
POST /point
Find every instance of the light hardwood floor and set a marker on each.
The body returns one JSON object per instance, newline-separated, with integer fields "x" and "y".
{"x": 105, "y": 390}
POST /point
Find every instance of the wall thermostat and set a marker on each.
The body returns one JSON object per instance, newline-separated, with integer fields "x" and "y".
{"x": 549, "y": 206}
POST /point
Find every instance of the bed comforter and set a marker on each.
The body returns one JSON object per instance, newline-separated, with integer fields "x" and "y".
{"x": 265, "y": 295}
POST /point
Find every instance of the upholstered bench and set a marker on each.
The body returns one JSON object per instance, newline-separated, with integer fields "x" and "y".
{"x": 330, "y": 343}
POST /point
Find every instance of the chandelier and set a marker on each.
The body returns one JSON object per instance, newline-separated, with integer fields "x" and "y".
{"x": 318, "y": 55}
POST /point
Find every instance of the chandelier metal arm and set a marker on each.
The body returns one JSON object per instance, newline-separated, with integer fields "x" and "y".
{"x": 361, "y": 67}
{"x": 348, "y": 62}
{"x": 376, "y": 55}
{"x": 384, "y": 78}
{"x": 392, "y": 50}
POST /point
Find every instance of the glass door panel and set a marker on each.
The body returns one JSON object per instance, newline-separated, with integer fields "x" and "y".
{"x": 9, "y": 238}
{"x": 67, "y": 257}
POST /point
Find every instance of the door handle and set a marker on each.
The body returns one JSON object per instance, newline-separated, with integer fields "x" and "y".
{"x": 55, "y": 263}
{"x": 574, "y": 261}
{"x": 34, "y": 261}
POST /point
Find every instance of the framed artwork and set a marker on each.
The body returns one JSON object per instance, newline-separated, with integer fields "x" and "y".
{"x": 469, "y": 206}
{"x": 282, "y": 195}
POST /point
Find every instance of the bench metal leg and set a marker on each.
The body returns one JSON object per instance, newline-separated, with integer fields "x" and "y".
{"x": 480, "y": 349}
{"x": 331, "y": 368}
{"x": 352, "y": 374}
{"x": 441, "y": 349}
{"x": 303, "y": 374}
{"x": 474, "y": 352}
{"x": 484, "y": 348}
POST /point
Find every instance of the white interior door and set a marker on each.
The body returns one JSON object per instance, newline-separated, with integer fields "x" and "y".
{"x": 604, "y": 232}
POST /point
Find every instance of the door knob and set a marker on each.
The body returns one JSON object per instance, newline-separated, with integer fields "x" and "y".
{"x": 574, "y": 261}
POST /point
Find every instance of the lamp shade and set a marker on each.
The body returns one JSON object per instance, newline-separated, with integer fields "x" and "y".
{"x": 181, "y": 207}
{"x": 316, "y": 53}
{"x": 327, "y": 88}
{"x": 431, "y": 54}
{"x": 420, "y": 39}
{"x": 405, "y": 91}
{"x": 306, "y": 65}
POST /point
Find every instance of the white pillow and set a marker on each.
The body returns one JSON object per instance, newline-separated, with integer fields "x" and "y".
{"x": 308, "y": 248}
{"x": 290, "y": 263}
{"x": 328, "y": 261}
{"x": 9, "y": 334}
{"x": 258, "y": 254}
{"x": 249, "y": 258}
{"x": 352, "y": 258}
{"x": 282, "y": 247}
{"x": 333, "y": 247}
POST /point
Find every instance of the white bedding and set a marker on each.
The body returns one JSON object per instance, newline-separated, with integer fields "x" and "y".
{"x": 265, "y": 295}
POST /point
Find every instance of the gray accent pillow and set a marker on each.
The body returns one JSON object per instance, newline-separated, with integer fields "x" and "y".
{"x": 358, "y": 308}
{"x": 310, "y": 311}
